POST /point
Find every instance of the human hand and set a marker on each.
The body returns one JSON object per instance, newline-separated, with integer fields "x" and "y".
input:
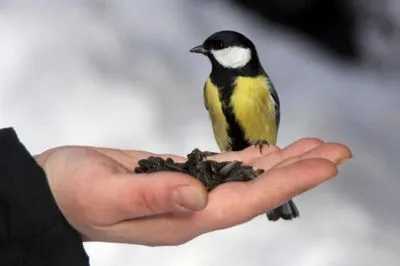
{"x": 101, "y": 197}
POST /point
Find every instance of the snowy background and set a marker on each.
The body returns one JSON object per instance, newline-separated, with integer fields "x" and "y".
{"x": 119, "y": 74}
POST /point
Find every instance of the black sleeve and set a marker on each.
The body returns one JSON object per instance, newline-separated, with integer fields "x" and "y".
{"x": 33, "y": 231}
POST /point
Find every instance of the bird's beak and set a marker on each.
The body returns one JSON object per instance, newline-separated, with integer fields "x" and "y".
{"x": 199, "y": 49}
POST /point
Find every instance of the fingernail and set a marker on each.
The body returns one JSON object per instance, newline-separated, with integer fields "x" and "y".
{"x": 189, "y": 198}
{"x": 343, "y": 160}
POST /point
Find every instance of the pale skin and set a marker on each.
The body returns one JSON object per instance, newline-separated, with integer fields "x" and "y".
{"x": 103, "y": 200}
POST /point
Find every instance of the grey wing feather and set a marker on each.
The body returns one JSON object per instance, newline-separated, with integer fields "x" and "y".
{"x": 274, "y": 95}
{"x": 204, "y": 97}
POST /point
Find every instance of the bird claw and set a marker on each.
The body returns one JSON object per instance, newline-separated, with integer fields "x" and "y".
{"x": 260, "y": 144}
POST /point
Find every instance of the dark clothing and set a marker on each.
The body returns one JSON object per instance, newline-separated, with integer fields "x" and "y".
{"x": 33, "y": 231}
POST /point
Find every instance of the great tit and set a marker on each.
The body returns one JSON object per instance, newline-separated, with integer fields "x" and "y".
{"x": 241, "y": 100}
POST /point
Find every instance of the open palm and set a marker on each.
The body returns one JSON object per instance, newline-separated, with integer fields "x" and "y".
{"x": 103, "y": 199}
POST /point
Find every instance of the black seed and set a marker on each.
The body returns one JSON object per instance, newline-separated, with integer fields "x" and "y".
{"x": 208, "y": 172}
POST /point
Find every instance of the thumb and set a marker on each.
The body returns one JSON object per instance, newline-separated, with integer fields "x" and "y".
{"x": 141, "y": 195}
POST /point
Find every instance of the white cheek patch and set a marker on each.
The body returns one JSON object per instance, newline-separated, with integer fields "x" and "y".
{"x": 232, "y": 57}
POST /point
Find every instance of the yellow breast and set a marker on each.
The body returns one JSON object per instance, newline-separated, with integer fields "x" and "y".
{"x": 219, "y": 123}
{"x": 254, "y": 109}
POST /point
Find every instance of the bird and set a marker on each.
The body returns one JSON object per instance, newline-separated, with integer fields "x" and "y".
{"x": 241, "y": 100}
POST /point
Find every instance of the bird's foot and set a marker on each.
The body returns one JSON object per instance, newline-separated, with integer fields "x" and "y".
{"x": 260, "y": 144}
{"x": 210, "y": 173}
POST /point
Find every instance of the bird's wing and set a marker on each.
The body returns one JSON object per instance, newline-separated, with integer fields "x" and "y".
{"x": 275, "y": 97}
{"x": 204, "y": 96}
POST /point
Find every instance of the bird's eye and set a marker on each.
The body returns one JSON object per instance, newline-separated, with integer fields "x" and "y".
{"x": 220, "y": 45}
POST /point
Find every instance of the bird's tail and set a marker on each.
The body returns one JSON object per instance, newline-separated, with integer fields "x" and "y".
{"x": 287, "y": 211}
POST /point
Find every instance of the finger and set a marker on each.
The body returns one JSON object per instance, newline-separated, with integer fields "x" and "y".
{"x": 295, "y": 149}
{"x": 236, "y": 203}
{"x": 334, "y": 152}
{"x": 133, "y": 196}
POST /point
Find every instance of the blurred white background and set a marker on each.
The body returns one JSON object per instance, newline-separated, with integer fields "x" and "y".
{"x": 119, "y": 74}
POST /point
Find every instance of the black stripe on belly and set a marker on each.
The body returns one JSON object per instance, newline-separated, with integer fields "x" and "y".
{"x": 224, "y": 81}
{"x": 235, "y": 132}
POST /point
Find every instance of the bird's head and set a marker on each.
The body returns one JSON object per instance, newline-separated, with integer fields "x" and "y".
{"x": 228, "y": 49}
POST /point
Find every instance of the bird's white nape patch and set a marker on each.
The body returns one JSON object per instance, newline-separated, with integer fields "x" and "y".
{"x": 232, "y": 57}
